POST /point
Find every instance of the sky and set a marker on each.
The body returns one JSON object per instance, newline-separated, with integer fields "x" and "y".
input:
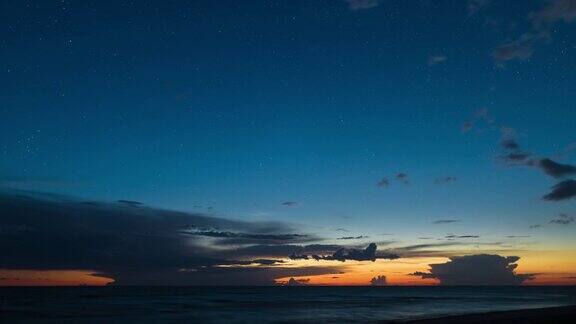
{"x": 255, "y": 142}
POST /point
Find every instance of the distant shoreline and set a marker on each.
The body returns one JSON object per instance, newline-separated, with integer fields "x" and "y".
{"x": 562, "y": 314}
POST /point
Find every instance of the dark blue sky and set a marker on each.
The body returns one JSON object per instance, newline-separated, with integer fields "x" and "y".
{"x": 245, "y": 105}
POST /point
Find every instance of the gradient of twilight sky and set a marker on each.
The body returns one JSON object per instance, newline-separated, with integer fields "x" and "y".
{"x": 341, "y": 117}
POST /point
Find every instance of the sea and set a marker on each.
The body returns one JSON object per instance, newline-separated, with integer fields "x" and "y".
{"x": 265, "y": 304}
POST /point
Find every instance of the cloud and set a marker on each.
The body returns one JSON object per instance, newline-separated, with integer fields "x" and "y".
{"x": 353, "y": 237}
{"x": 378, "y": 281}
{"x": 289, "y": 203}
{"x": 297, "y": 282}
{"x": 555, "y": 169}
{"x": 383, "y": 183}
{"x": 520, "y": 49}
{"x": 344, "y": 254}
{"x": 402, "y": 177}
{"x": 362, "y": 4}
{"x": 562, "y": 191}
{"x": 466, "y": 127}
{"x": 141, "y": 245}
{"x": 510, "y": 144}
{"x": 130, "y": 203}
{"x": 248, "y": 238}
{"x": 446, "y": 221}
{"x": 517, "y": 158}
{"x": 481, "y": 269}
{"x": 543, "y": 22}
{"x": 563, "y": 219}
{"x": 535, "y": 226}
{"x": 452, "y": 236}
{"x": 436, "y": 59}
{"x": 445, "y": 180}
{"x": 480, "y": 117}
{"x": 474, "y": 6}
{"x": 554, "y": 12}
{"x": 367, "y": 254}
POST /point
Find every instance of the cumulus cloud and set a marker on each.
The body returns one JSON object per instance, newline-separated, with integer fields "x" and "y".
{"x": 481, "y": 269}
{"x": 345, "y": 254}
{"x": 555, "y": 169}
{"x": 367, "y": 254}
{"x": 562, "y": 191}
{"x": 563, "y": 219}
{"x": 378, "y": 281}
{"x": 362, "y": 4}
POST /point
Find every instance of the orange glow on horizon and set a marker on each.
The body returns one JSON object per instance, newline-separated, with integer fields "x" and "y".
{"x": 51, "y": 278}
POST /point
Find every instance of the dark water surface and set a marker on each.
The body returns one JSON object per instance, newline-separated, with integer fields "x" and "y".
{"x": 266, "y": 304}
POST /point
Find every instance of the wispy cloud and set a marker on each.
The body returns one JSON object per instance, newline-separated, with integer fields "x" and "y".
{"x": 563, "y": 219}
{"x": 436, "y": 59}
{"x": 362, "y": 4}
{"x": 446, "y": 221}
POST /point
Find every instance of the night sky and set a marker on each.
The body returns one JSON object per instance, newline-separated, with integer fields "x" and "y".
{"x": 227, "y": 142}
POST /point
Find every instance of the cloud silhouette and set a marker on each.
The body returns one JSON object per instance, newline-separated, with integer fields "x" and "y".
{"x": 452, "y": 236}
{"x": 353, "y": 237}
{"x": 517, "y": 158}
{"x": 562, "y": 191}
{"x": 510, "y": 144}
{"x": 237, "y": 238}
{"x": 383, "y": 183}
{"x": 297, "y": 282}
{"x": 474, "y": 270}
{"x": 402, "y": 177}
{"x": 555, "y": 169}
{"x": 378, "y": 281}
{"x": 141, "y": 245}
{"x": 289, "y": 203}
{"x": 446, "y": 221}
{"x": 367, "y": 254}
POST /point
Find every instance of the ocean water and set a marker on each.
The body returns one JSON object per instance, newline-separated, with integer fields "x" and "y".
{"x": 266, "y": 304}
